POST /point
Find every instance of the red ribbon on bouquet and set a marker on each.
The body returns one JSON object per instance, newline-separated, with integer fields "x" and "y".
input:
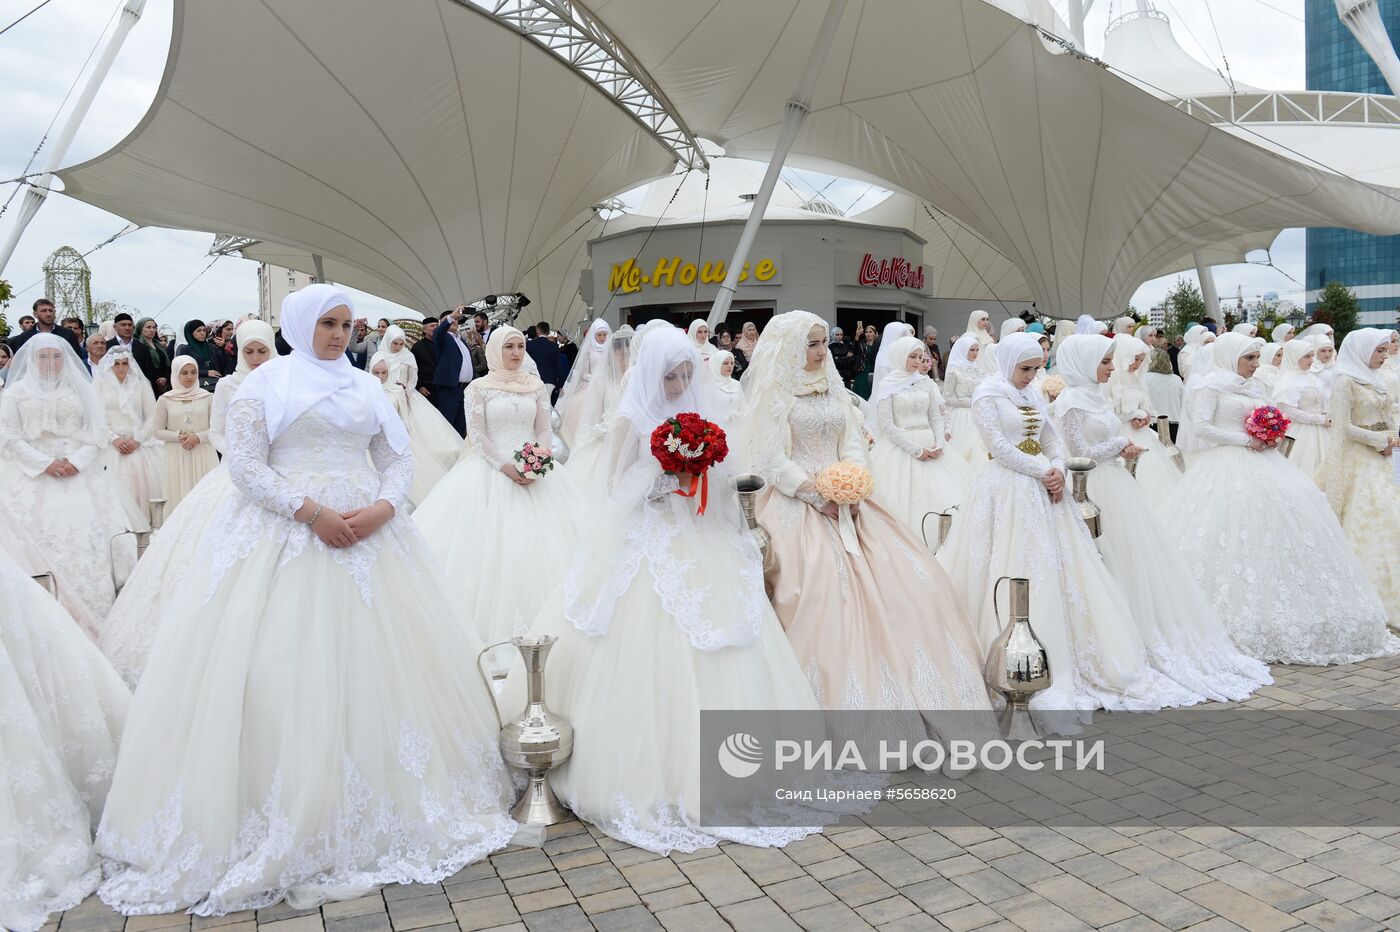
{"x": 698, "y": 484}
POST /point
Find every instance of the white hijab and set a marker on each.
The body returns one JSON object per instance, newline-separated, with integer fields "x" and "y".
{"x": 1123, "y": 325}
{"x": 1248, "y": 329}
{"x": 1221, "y": 374}
{"x": 983, "y": 336}
{"x": 1281, "y": 333}
{"x": 898, "y": 379}
{"x": 1086, "y": 325}
{"x": 1127, "y": 391}
{"x": 705, "y": 348}
{"x": 1011, "y": 352}
{"x": 884, "y": 360}
{"x": 134, "y": 394}
{"x": 253, "y": 331}
{"x": 1268, "y": 367}
{"x": 289, "y": 386}
{"x": 644, "y": 403}
{"x": 1079, "y": 359}
{"x": 1293, "y": 380}
{"x": 1012, "y": 325}
{"x": 403, "y": 359}
{"x": 1355, "y": 355}
{"x": 36, "y": 384}
{"x": 958, "y": 357}
{"x": 724, "y": 383}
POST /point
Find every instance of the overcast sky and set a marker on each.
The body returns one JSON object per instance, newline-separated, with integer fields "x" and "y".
{"x": 148, "y": 269}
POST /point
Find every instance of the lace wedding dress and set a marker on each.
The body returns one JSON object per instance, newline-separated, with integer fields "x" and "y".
{"x": 304, "y": 728}
{"x": 1009, "y": 527}
{"x": 433, "y": 453}
{"x": 873, "y": 620}
{"x": 61, "y": 712}
{"x": 1360, "y": 484}
{"x": 1306, "y": 408}
{"x": 908, "y": 423}
{"x": 501, "y": 542}
{"x": 1265, "y": 546}
{"x": 958, "y": 387}
{"x": 77, "y": 522}
{"x": 1184, "y": 637}
{"x": 661, "y": 615}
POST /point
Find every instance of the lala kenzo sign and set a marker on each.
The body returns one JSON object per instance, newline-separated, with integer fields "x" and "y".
{"x": 897, "y": 272}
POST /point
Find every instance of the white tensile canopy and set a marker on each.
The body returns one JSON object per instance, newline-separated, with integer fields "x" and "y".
{"x": 432, "y": 150}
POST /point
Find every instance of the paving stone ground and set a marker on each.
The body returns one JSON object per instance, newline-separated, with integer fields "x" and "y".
{"x": 1033, "y": 878}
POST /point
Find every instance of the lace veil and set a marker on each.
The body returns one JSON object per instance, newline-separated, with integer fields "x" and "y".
{"x": 45, "y": 370}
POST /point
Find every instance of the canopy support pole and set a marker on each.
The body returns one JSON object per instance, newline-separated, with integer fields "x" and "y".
{"x": 319, "y": 265}
{"x": 1207, "y": 277}
{"x": 794, "y": 114}
{"x": 37, "y": 191}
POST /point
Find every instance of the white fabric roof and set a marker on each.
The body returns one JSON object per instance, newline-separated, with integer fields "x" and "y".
{"x": 432, "y": 153}
{"x": 1141, "y": 46}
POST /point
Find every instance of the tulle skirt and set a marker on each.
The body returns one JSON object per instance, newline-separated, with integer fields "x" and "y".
{"x": 1267, "y": 550}
{"x": 1369, "y": 510}
{"x": 502, "y": 544}
{"x": 140, "y": 473}
{"x": 966, "y": 438}
{"x": 1310, "y": 445}
{"x": 1184, "y": 637}
{"x": 63, "y": 708}
{"x": 1157, "y": 476}
{"x": 184, "y": 468}
{"x": 308, "y": 730}
{"x": 435, "y": 445}
{"x": 140, "y": 608}
{"x": 1164, "y": 390}
{"x": 912, "y": 489}
{"x": 1010, "y": 528}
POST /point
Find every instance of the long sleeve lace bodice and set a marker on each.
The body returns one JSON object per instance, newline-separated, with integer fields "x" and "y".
{"x": 1218, "y": 417}
{"x": 224, "y": 393}
{"x": 499, "y": 422}
{"x": 1005, "y": 428}
{"x": 1307, "y": 406}
{"x": 127, "y": 411}
{"x": 904, "y": 417}
{"x": 1097, "y": 436}
{"x": 1363, "y": 412}
{"x": 823, "y": 430}
{"x": 961, "y": 382}
{"x": 35, "y": 432}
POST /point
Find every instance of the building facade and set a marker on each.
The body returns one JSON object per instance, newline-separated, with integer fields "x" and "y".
{"x": 274, "y": 284}
{"x": 1368, "y": 265}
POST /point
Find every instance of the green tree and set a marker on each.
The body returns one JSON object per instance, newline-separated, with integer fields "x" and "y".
{"x": 1337, "y": 306}
{"x": 6, "y": 292}
{"x": 1185, "y": 307}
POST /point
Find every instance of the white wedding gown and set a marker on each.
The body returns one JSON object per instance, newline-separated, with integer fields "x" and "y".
{"x": 1265, "y": 546}
{"x": 307, "y": 727}
{"x": 908, "y": 423}
{"x": 958, "y": 387}
{"x": 502, "y": 544}
{"x": 61, "y": 713}
{"x": 1009, "y": 527}
{"x": 1312, "y": 438}
{"x": 1184, "y": 637}
{"x": 662, "y": 615}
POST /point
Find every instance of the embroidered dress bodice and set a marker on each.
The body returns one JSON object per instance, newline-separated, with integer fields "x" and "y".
{"x": 1219, "y": 416}
{"x": 961, "y": 382}
{"x": 917, "y": 408}
{"x": 36, "y": 432}
{"x": 817, "y": 422}
{"x": 1311, "y": 407}
{"x": 1019, "y": 438}
{"x": 499, "y": 422}
{"x": 1097, "y": 435}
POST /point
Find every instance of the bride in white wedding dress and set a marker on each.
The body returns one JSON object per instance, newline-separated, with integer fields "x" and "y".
{"x": 1259, "y": 535}
{"x": 61, "y": 712}
{"x": 663, "y": 615}
{"x": 1184, "y": 637}
{"x": 131, "y": 627}
{"x": 304, "y": 730}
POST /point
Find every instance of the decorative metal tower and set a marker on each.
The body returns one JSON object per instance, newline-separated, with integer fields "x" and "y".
{"x": 68, "y": 283}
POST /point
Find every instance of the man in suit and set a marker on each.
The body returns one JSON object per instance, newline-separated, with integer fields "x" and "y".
{"x": 96, "y": 348}
{"x": 453, "y": 370}
{"x": 426, "y": 355}
{"x": 553, "y": 365}
{"x": 126, "y": 331}
{"x": 44, "y": 323}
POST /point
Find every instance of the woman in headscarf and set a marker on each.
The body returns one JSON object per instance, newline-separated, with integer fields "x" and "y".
{"x": 1299, "y": 394}
{"x": 1020, "y": 521}
{"x": 916, "y": 473}
{"x": 1317, "y": 330}
{"x": 151, "y": 355}
{"x": 867, "y": 348}
{"x": 1270, "y": 359}
{"x": 729, "y": 394}
{"x": 532, "y": 521}
{"x": 595, "y": 407}
{"x": 1185, "y": 639}
{"x": 6, "y": 357}
{"x": 1193, "y": 339}
{"x": 1127, "y": 395}
{"x": 1123, "y": 325}
{"x": 664, "y": 615}
{"x": 427, "y": 471}
{"x": 885, "y": 363}
{"x": 1164, "y": 387}
{"x": 198, "y": 347}
{"x": 1063, "y": 330}
{"x": 1282, "y": 333}
{"x": 1358, "y": 475}
{"x": 979, "y": 326}
{"x": 1086, "y": 325}
{"x": 743, "y": 347}
{"x": 1326, "y": 357}
{"x": 699, "y": 332}
{"x": 1011, "y": 325}
{"x": 1246, "y": 329}
{"x": 181, "y": 422}
{"x": 135, "y": 618}
{"x": 592, "y": 361}
{"x": 964, "y": 375}
{"x": 870, "y": 615}
{"x": 63, "y": 712}
{"x": 303, "y": 730}
{"x": 132, "y": 453}
{"x": 436, "y": 445}
{"x": 1227, "y": 520}
{"x": 52, "y": 435}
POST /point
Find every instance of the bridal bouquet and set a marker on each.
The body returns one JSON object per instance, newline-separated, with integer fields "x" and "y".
{"x": 689, "y": 445}
{"x": 534, "y": 460}
{"x": 1267, "y": 424}
{"x": 845, "y": 483}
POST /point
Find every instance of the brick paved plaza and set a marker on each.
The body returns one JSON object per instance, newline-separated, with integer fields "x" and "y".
{"x": 856, "y": 877}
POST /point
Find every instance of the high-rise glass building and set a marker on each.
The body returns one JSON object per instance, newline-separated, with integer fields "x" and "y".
{"x": 1368, "y": 265}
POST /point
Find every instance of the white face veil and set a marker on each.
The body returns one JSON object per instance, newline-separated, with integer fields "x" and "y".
{"x": 592, "y": 361}
{"x": 46, "y": 371}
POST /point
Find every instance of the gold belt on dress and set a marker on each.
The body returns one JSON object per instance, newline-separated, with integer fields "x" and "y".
{"x": 1030, "y": 446}
{"x": 1380, "y": 426}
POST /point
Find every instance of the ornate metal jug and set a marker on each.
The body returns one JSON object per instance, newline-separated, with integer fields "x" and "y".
{"x": 1079, "y": 467}
{"x": 945, "y": 524}
{"x": 1164, "y": 433}
{"x": 1017, "y": 665}
{"x": 1285, "y": 446}
{"x": 747, "y": 487}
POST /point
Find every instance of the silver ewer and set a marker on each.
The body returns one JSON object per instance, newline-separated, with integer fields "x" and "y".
{"x": 1079, "y": 467}
{"x": 155, "y": 514}
{"x": 1131, "y": 466}
{"x": 945, "y": 524}
{"x": 1285, "y": 446}
{"x": 1017, "y": 665}
{"x": 1164, "y": 434}
{"x": 48, "y": 582}
{"x": 539, "y": 740}
{"x": 747, "y": 488}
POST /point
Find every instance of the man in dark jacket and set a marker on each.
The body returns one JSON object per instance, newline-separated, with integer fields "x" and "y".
{"x": 844, "y": 355}
{"x": 426, "y": 355}
{"x": 553, "y": 365}
{"x": 452, "y": 372}
{"x": 44, "y": 323}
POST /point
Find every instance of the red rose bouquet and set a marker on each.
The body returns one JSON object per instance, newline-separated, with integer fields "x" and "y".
{"x": 688, "y": 445}
{"x": 534, "y": 460}
{"x": 1266, "y": 424}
